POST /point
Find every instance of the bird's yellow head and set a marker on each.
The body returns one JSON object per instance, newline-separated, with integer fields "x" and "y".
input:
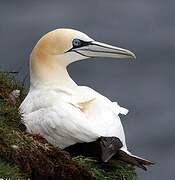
{"x": 61, "y": 47}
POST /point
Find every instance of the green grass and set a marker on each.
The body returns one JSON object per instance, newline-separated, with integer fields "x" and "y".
{"x": 10, "y": 171}
{"x": 27, "y": 156}
{"x": 106, "y": 172}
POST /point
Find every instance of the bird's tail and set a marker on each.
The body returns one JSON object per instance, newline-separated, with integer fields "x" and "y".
{"x": 134, "y": 160}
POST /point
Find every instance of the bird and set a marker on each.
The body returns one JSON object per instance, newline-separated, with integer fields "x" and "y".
{"x": 70, "y": 116}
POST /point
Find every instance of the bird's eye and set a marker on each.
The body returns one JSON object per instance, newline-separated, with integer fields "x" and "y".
{"x": 76, "y": 43}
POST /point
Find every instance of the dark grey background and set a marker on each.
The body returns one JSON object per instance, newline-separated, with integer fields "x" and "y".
{"x": 145, "y": 86}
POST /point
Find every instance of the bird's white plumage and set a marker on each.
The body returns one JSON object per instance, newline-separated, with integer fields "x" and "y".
{"x": 65, "y": 117}
{"x": 63, "y": 112}
{"x": 56, "y": 107}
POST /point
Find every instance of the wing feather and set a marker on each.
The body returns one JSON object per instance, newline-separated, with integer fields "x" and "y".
{"x": 68, "y": 118}
{"x": 63, "y": 124}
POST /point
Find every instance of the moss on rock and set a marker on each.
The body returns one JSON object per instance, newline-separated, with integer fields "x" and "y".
{"x": 112, "y": 171}
{"x": 10, "y": 171}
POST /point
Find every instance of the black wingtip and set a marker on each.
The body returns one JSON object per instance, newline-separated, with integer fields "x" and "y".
{"x": 135, "y": 161}
{"x": 109, "y": 147}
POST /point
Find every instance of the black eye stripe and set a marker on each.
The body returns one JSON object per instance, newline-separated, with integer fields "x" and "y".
{"x": 78, "y": 43}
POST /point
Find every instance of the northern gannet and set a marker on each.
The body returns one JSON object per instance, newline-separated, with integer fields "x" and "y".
{"x": 67, "y": 114}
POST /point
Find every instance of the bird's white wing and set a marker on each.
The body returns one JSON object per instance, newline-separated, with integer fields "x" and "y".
{"x": 102, "y": 113}
{"x": 85, "y": 95}
{"x": 65, "y": 119}
{"x": 59, "y": 121}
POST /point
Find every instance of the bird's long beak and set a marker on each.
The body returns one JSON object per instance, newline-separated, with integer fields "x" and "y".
{"x": 98, "y": 49}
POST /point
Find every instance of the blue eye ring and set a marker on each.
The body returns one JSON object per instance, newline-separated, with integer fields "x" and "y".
{"x": 76, "y": 43}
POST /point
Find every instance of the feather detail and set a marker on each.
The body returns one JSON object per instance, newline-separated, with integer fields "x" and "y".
{"x": 118, "y": 109}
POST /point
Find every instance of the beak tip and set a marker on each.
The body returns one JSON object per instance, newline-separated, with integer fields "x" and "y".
{"x": 132, "y": 56}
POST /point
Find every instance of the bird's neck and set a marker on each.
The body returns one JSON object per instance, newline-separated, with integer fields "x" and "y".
{"x": 50, "y": 75}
